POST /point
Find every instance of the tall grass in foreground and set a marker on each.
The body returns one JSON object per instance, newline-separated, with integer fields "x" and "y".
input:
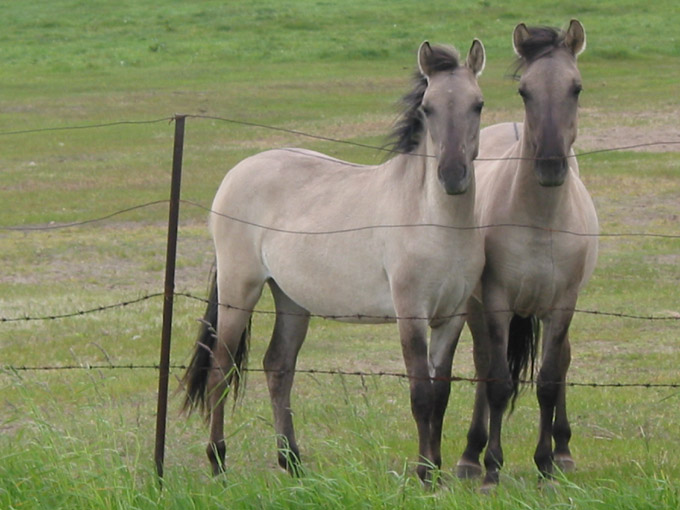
{"x": 100, "y": 462}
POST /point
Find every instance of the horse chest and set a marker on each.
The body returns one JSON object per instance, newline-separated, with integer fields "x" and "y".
{"x": 533, "y": 274}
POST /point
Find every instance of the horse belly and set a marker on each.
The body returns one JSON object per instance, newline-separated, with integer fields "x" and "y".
{"x": 340, "y": 279}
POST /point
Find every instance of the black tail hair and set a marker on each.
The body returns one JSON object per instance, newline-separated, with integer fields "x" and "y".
{"x": 195, "y": 379}
{"x": 523, "y": 342}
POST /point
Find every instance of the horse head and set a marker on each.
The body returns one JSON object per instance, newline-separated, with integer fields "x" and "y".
{"x": 550, "y": 85}
{"x": 451, "y": 107}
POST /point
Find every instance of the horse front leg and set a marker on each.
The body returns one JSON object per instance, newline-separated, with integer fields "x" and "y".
{"x": 441, "y": 352}
{"x": 561, "y": 429}
{"x": 550, "y": 385}
{"x": 413, "y": 333}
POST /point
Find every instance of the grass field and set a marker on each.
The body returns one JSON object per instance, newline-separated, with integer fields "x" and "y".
{"x": 84, "y": 438}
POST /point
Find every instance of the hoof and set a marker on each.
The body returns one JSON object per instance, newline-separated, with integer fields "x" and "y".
{"x": 548, "y": 484}
{"x": 289, "y": 461}
{"x": 216, "y": 454}
{"x": 490, "y": 482}
{"x": 488, "y": 488}
{"x": 564, "y": 462}
{"x": 467, "y": 470}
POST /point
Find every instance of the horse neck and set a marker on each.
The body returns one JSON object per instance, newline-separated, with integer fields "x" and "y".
{"x": 438, "y": 206}
{"x": 538, "y": 201}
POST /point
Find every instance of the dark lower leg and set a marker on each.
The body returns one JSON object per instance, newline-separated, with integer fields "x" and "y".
{"x": 498, "y": 395}
{"x": 547, "y": 396}
{"x": 477, "y": 436}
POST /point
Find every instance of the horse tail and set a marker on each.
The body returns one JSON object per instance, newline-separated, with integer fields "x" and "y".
{"x": 523, "y": 341}
{"x": 195, "y": 379}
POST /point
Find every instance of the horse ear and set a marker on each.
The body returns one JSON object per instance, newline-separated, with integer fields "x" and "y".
{"x": 424, "y": 58}
{"x": 520, "y": 34}
{"x": 575, "y": 38}
{"x": 476, "y": 59}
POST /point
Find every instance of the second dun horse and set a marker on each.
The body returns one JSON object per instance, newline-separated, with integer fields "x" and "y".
{"x": 393, "y": 242}
{"x": 540, "y": 241}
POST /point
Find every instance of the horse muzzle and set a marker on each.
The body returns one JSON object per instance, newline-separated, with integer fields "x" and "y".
{"x": 455, "y": 179}
{"x": 551, "y": 171}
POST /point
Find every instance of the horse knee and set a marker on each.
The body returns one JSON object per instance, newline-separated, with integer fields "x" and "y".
{"x": 499, "y": 392}
{"x": 547, "y": 392}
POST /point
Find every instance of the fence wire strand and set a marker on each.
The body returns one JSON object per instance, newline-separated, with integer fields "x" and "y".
{"x": 339, "y": 317}
{"x": 329, "y": 372}
{"x": 58, "y": 226}
{"x": 86, "y": 126}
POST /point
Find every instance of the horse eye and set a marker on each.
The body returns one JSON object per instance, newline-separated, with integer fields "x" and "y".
{"x": 578, "y": 88}
{"x": 478, "y": 107}
{"x": 522, "y": 92}
{"x": 427, "y": 110}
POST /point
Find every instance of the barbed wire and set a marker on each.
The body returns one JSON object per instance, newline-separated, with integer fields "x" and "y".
{"x": 57, "y": 226}
{"x": 425, "y": 225}
{"x": 339, "y": 317}
{"x": 79, "y": 313}
{"x": 330, "y": 372}
{"x": 323, "y": 138}
{"x": 86, "y": 126}
{"x": 304, "y": 134}
{"x": 392, "y": 151}
{"x": 36, "y": 228}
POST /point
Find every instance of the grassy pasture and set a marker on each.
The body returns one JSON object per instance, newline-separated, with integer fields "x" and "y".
{"x": 84, "y": 438}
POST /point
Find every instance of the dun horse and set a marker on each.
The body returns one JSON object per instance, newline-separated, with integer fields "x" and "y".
{"x": 540, "y": 246}
{"x": 393, "y": 242}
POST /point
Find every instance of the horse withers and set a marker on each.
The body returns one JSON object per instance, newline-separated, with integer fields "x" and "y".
{"x": 373, "y": 244}
{"x": 540, "y": 243}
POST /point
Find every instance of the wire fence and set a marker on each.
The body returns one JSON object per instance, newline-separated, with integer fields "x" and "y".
{"x": 670, "y": 317}
{"x": 164, "y": 367}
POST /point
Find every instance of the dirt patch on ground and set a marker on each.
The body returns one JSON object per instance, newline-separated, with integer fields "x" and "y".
{"x": 646, "y": 130}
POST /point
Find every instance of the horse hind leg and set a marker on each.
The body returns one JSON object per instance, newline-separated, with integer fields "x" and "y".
{"x": 228, "y": 358}
{"x": 468, "y": 466}
{"x": 289, "y": 333}
{"x": 549, "y": 390}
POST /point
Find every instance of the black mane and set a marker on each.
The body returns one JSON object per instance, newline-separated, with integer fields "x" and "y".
{"x": 408, "y": 130}
{"x": 541, "y": 41}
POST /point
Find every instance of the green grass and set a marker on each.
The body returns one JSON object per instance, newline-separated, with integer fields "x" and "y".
{"x": 84, "y": 438}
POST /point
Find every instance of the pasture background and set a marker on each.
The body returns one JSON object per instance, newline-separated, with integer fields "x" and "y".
{"x": 77, "y": 439}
